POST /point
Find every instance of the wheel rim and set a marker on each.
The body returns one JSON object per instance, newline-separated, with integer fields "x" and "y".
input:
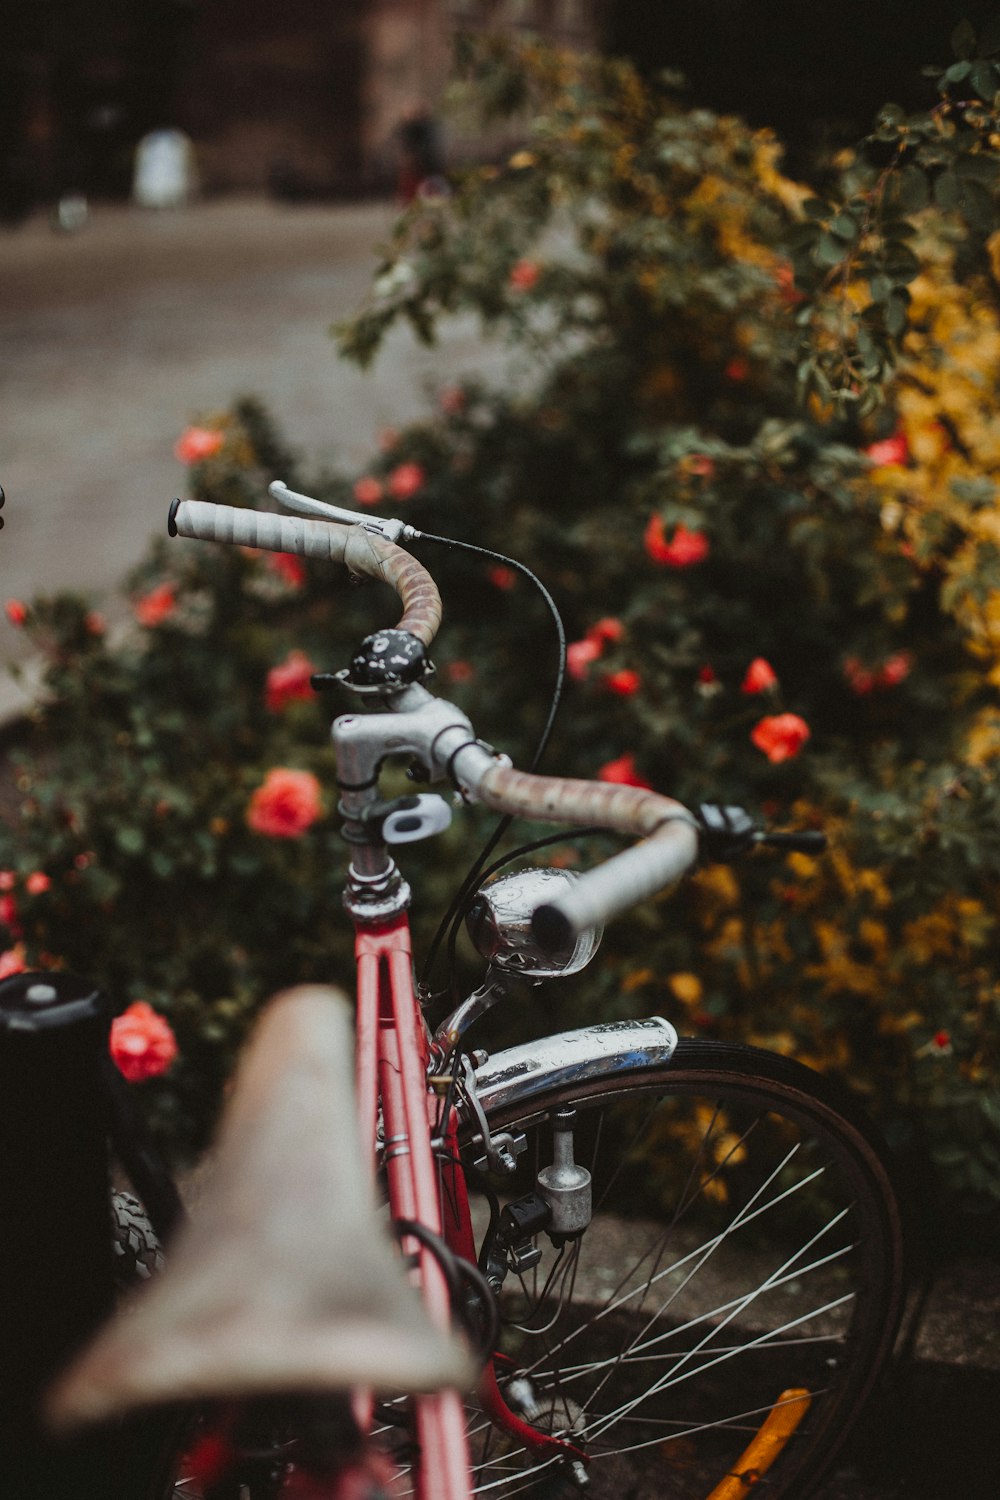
{"x": 687, "y": 1337}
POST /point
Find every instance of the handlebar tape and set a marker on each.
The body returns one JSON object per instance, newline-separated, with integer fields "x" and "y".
{"x": 669, "y": 848}
{"x": 359, "y": 550}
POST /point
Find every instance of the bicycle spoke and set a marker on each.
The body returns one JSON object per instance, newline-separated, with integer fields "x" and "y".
{"x": 670, "y": 1342}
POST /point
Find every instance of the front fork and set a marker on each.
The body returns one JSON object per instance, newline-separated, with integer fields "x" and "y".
{"x": 392, "y": 1067}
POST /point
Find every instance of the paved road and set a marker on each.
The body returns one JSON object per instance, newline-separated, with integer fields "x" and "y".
{"x": 114, "y": 338}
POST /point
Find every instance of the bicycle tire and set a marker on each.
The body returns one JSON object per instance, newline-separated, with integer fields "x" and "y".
{"x": 149, "y": 1442}
{"x": 753, "y": 1279}
{"x": 136, "y": 1247}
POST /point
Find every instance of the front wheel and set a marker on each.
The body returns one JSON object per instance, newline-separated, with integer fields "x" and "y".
{"x": 720, "y": 1324}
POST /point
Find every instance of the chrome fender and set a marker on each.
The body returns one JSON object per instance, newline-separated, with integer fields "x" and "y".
{"x": 517, "y": 1076}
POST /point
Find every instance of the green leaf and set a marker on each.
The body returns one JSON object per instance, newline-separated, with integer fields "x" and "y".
{"x": 968, "y": 197}
{"x": 957, "y": 72}
{"x": 896, "y": 313}
{"x": 829, "y": 251}
{"x": 804, "y": 267}
{"x": 908, "y": 191}
{"x": 990, "y": 1105}
{"x": 845, "y": 227}
{"x": 947, "y": 191}
{"x": 978, "y": 207}
{"x": 870, "y": 402}
{"x": 982, "y": 167}
{"x": 989, "y": 40}
{"x": 984, "y": 79}
{"x": 963, "y": 40}
{"x": 130, "y": 840}
{"x": 901, "y": 263}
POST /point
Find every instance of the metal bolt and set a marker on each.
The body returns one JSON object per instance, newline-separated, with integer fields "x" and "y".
{"x": 40, "y": 994}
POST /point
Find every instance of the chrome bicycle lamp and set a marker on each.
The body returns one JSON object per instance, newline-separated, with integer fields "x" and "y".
{"x": 499, "y": 924}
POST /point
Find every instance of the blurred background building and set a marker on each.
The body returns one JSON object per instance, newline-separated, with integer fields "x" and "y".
{"x": 315, "y": 98}
{"x": 306, "y": 98}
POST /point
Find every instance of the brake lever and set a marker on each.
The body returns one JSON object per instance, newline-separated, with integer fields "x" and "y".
{"x": 730, "y": 831}
{"x": 801, "y": 841}
{"x": 386, "y": 526}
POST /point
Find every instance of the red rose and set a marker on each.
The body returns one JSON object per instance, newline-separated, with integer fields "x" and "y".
{"x": 289, "y": 567}
{"x": 623, "y": 772}
{"x": 289, "y": 680}
{"x": 502, "y": 577}
{"x": 895, "y": 668}
{"x": 784, "y": 275}
{"x": 195, "y": 444}
{"x": 891, "y": 450}
{"x": 286, "y": 804}
{"x": 737, "y": 369}
{"x": 142, "y": 1043}
{"x": 8, "y": 914}
{"x": 606, "y": 631}
{"x": 682, "y": 551}
{"x": 368, "y": 490}
{"x": 156, "y": 606}
{"x": 780, "y": 736}
{"x": 859, "y": 679}
{"x": 16, "y": 611}
{"x": 624, "y": 683}
{"x": 579, "y": 655}
{"x": 8, "y": 880}
{"x": 459, "y": 671}
{"x": 760, "y": 676}
{"x": 698, "y": 464}
{"x": 12, "y": 962}
{"x": 37, "y": 883}
{"x": 523, "y": 276}
{"x": 405, "y": 480}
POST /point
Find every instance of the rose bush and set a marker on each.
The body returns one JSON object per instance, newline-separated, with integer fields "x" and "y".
{"x": 767, "y": 605}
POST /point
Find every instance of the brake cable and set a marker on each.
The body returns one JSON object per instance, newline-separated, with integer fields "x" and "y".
{"x": 451, "y": 921}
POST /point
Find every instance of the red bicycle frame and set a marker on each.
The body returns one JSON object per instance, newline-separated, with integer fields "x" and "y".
{"x": 392, "y": 1059}
{"x": 392, "y": 1070}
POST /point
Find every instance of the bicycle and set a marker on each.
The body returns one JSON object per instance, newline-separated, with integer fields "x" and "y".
{"x": 678, "y": 1262}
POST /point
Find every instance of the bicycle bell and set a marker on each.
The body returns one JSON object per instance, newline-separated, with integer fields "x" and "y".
{"x": 499, "y": 924}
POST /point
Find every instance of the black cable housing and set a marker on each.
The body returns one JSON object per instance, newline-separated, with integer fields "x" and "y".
{"x": 451, "y": 921}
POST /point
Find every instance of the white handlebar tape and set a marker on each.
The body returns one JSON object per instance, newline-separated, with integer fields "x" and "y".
{"x": 669, "y": 848}
{"x": 619, "y": 883}
{"x": 359, "y": 550}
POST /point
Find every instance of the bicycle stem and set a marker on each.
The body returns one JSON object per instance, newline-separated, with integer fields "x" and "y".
{"x": 417, "y": 724}
{"x": 442, "y": 739}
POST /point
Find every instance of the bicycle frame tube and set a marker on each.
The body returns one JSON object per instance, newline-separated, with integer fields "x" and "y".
{"x": 392, "y": 1058}
{"x": 392, "y": 1069}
